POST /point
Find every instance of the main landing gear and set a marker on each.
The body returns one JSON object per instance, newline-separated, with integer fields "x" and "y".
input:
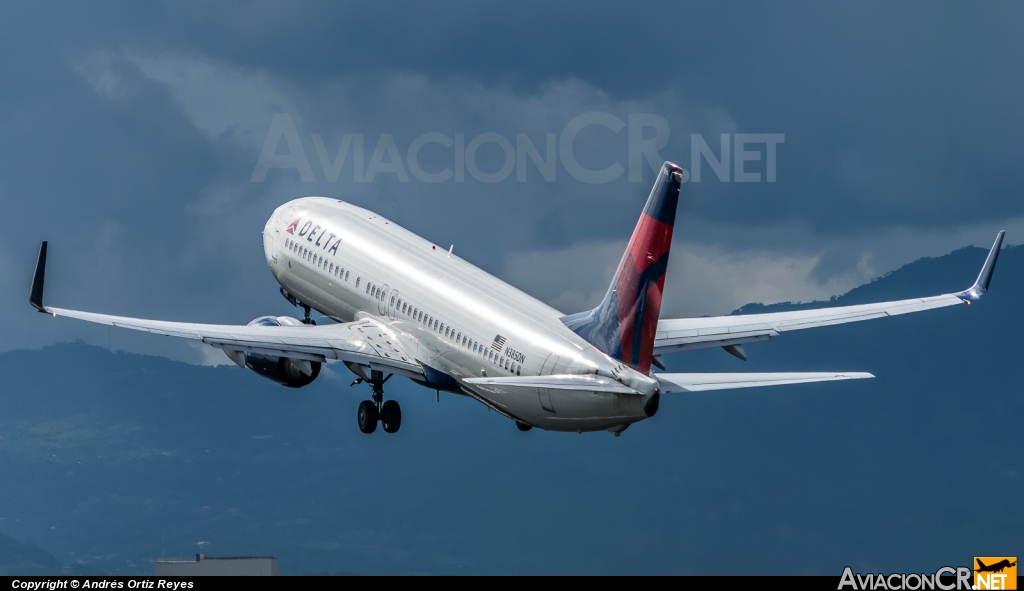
{"x": 388, "y": 412}
{"x": 306, "y": 318}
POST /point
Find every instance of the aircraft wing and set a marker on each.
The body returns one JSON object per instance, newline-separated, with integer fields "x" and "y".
{"x": 672, "y": 383}
{"x": 682, "y": 334}
{"x": 362, "y": 341}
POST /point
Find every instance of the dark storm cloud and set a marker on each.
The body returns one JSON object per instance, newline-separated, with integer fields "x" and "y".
{"x": 131, "y": 132}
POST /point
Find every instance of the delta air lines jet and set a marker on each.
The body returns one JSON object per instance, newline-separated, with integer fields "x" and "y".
{"x": 402, "y": 306}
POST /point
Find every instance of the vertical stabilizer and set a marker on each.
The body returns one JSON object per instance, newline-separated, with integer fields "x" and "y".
{"x": 624, "y": 325}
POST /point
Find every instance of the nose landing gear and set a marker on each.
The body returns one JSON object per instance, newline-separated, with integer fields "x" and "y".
{"x": 389, "y": 413}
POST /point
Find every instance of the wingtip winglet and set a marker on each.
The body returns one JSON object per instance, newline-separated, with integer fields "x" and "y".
{"x": 974, "y": 293}
{"x": 35, "y": 297}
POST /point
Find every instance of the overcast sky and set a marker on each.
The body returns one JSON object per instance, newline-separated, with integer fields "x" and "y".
{"x": 131, "y": 133}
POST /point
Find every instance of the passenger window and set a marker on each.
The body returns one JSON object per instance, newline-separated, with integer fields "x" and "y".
{"x": 358, "y": 279}
{"x": 392, "y": 300}
{"x": 458, "y": 337}
{"x": 519, "y": 368}
{"x": 346, "y": 279}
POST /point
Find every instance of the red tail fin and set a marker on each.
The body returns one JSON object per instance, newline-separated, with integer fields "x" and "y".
{"x": 624, "y": 325}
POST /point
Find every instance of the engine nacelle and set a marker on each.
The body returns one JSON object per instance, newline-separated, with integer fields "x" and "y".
{"x": 287, "y": 371}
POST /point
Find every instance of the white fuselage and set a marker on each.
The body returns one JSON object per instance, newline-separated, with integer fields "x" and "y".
{"x": 455, "y": 319}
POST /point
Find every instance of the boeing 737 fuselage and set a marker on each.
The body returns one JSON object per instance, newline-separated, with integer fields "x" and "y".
{"x": 401, "y": 305}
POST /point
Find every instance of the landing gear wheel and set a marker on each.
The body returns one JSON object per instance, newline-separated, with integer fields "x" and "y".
{"x": 367, "y": 416}
{"x": 391, "y": 416}
{"x": 523, "y": 426}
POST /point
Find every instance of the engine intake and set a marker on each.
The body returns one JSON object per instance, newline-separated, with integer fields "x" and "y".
{"x": 287, "y": 371}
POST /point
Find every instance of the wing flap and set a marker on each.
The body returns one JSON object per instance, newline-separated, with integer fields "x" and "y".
{"x": 672, "y": 383}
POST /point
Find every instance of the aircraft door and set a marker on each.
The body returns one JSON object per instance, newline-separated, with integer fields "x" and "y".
{"x": 393, "y": 304}
{"x": 382, "y": 303}
{"x": 543, "y": 393}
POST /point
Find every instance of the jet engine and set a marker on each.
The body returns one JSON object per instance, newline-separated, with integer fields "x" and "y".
{"x": 287, "y": 371}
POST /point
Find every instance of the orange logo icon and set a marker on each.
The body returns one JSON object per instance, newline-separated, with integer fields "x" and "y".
{"x": 995, "y": 572}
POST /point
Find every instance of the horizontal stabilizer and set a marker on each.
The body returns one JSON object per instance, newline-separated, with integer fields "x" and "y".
{"x": 701, "y": 382}
{"x": 587, "y": 382}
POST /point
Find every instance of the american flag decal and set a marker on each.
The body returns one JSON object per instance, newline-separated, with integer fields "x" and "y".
{"x": 499, "y": 342}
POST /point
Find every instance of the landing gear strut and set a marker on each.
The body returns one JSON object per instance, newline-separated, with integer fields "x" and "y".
{"x": 305, "y": 318}
{"x": 295, "y": 302}
{"x": 389, "y": 413}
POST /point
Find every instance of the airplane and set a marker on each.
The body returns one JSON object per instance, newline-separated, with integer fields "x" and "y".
{"x": 995, "y": 568}
{"x": 402, "y": 306}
